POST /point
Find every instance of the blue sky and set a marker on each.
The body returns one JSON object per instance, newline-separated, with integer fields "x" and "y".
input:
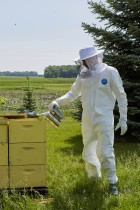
{"x": 37, "y": 33}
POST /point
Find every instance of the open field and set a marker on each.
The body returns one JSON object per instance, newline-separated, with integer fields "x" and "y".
{"x": 36, "y": 82}
{"x": 44, "y": 91}
{"x": 68, "y": 186}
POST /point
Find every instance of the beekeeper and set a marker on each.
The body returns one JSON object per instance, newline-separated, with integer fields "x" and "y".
{"x": 99, "y": 85}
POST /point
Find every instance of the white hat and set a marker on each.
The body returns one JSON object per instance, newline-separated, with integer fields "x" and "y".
{"x": 89, "y": 52}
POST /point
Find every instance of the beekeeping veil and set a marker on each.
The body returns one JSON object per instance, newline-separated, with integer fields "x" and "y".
{"x": 93, "y": 59}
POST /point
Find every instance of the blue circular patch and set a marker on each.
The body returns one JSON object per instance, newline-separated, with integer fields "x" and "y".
{"x": 104, "y": 81}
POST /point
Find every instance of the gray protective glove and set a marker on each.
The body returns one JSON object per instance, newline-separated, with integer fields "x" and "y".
{"x": 53, "y": 104}
{"x": 122, "y": 124}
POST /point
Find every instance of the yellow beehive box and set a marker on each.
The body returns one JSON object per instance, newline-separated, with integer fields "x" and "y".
{"x": 3, "y": 131}
{"x": 27, "y": 153}
{"x": 27, "y": 130}
{"x": 3, "y": 154}
{"x": 4, "y": 177}
{"x": 27, "y": 176}
{"x": 13, "y": 116}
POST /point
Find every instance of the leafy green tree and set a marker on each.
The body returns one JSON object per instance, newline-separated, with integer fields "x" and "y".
{"x": 65, "y": 71}
{"x": 120, "y": 37}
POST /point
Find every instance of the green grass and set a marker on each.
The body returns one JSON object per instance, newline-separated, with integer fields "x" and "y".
{"x": 67, "y": 182}
{"x": 36, "y": 82}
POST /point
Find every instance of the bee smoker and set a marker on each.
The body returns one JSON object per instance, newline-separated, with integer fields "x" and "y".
{"x": 54, "y": 116}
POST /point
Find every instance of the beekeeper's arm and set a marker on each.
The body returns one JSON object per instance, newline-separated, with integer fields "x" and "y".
{"x": 69, "y": 97}
{"x": 117, "y": 88}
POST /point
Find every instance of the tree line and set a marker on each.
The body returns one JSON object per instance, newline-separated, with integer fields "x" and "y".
{"x": 64, "y": 71}
{"x": 19, "y": 73}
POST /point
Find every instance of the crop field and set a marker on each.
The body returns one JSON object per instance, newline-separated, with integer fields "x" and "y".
{"x": 68, "y": 185}
{"x": 44, "y": 91}
{"x": 36, "y": 82}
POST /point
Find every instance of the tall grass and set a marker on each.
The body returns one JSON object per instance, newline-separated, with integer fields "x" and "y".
{"x": 68, "y": 185}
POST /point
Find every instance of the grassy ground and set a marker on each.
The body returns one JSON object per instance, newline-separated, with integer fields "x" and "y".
{"x": 68, "y": 185}
{"x": 67, "y": 181}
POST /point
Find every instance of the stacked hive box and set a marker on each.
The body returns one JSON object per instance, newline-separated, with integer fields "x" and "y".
{"x": 24, "y": 153}
{"x": 4, "y": 170}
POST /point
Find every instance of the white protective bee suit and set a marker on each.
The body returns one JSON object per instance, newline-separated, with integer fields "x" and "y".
{"x": 99, "y": 86}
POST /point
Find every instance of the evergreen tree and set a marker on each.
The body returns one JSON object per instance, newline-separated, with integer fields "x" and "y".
{"x": 2, "y": 100}
{"x": 120, "y": 38}
{"x": 29, "y": 103}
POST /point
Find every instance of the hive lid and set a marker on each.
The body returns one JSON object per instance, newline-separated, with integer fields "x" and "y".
{"x": 13, "y": 116}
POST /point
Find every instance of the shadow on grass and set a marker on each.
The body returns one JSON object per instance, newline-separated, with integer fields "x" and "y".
{"x": 87, "y": 194}
{"x": 126, "y": 148}
{"x": 73, "y": 146}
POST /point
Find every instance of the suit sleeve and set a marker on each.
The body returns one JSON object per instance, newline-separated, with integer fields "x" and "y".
{"x": 70, "y": 96}
{"x": 118, "y": 90}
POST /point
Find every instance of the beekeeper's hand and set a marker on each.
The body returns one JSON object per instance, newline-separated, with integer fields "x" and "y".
{"x": 122, "y": 125}
{"x": 53, "y": 104}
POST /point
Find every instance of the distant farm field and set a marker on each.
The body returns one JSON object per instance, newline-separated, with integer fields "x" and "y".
{"x": 44, "y": 91}
{"x": 36, "y": 82}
